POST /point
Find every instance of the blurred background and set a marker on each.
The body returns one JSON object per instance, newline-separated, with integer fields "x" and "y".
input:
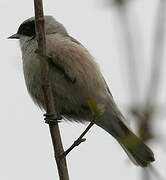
{"x": 127, "y": 39}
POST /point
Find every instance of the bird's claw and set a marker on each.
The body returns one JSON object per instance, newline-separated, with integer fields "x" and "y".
{"x": 52, "y": 118}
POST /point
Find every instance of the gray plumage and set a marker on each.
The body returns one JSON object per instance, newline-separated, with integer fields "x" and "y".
{"x": 75, "y": 77}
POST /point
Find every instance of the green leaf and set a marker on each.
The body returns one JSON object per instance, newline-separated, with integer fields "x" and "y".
{"x": 38, "y": 52}
{"x": 96, "y": 109}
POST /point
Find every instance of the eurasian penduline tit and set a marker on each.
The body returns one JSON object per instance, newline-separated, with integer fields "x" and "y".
{"x": 75, "y": 77}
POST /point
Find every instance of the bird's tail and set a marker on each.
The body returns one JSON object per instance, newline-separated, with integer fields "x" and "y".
{"x": 138, "y": 152}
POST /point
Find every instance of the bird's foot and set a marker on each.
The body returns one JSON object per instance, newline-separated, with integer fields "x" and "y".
{"x": 52, "y": 118}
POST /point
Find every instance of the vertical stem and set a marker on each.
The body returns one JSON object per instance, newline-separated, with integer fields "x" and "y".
{"x": 130, "y": 59}
{"x": 47, "y": 91}
{"x": 58, "y": 150}
{"x": 157, "y": 53}
{"x": 157, "y": 62}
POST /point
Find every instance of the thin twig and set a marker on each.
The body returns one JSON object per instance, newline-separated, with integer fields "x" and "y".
{"x": 79, "y": 140}
{"x": 47, "y": 91}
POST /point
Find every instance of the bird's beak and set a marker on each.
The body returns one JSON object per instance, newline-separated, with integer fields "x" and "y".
{"x": 14, "y": 36}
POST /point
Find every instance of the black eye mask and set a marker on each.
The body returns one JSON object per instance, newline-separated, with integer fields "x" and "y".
{"x": 27, "y": 29}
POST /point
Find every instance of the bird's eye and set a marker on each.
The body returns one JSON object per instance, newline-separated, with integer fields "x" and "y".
{"x": 27, "y": 29}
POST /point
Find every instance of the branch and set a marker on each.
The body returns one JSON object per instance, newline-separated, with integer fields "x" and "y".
{"x": 47, "y": 91}
{"x": 97, "y": 110}
{"x": 79, "y": 140}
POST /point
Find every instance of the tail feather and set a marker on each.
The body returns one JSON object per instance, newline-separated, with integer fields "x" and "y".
{"x": 138, "y": 152}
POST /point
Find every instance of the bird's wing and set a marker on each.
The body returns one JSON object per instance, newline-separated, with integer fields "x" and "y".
{"x": 77, "y": 42}
{"x": 74, "y": 60}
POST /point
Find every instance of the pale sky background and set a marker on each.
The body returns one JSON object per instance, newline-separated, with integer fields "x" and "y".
{"x": 25, "y": 145}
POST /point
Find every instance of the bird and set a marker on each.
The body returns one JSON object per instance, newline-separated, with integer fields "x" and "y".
{"x": 75, "y": 77}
